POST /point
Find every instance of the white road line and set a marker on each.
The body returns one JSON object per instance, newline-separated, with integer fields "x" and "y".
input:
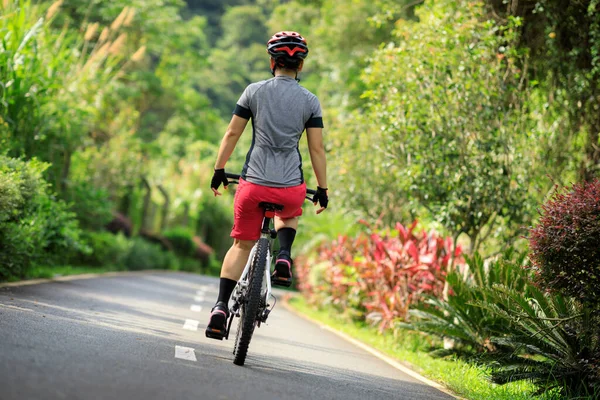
{"x": 191, "y": 325}
{"x": 196, "y": 308}
{"x": 185, "y": 353}
{"x": 201, "y": 292}
{"x": 199, "y": 299}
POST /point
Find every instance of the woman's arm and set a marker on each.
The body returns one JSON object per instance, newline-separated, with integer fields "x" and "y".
{"x": 317, "y": 155}
{"x": 232, "y": 135}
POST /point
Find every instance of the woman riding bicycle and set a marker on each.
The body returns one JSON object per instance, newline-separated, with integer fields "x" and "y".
{"x": 280, "y": 110}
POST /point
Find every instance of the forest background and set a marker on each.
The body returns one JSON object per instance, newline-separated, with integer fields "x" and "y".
{"x": 448, "y": 124}
{"x": 462, "y": 115}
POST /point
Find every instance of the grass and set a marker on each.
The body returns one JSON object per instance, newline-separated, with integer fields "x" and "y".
{"x": 464, "y": 379}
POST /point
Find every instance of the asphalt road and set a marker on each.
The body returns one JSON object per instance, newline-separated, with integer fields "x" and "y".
{"x": 142, "y": 337}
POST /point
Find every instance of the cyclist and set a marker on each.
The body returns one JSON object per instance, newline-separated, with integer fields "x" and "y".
{"x": 280, "y": 110}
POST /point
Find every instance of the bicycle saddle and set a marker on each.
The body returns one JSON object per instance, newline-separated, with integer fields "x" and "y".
{"x": 270, "y": 206}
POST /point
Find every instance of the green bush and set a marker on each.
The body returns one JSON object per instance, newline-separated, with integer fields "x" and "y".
{"x": 107, "y": 249}
{"x": 146, "y": 255}
{"x": 182, "y": 241}
{"x": 92, "y": 205}
{"x": 34, "y": 225}
{"x": 548, "y": 339}
{"x": 214, "y": 224}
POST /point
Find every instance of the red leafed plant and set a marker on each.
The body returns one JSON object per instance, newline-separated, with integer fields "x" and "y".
{"x": 565, "y": 245}
{"x": 378, "y": 276}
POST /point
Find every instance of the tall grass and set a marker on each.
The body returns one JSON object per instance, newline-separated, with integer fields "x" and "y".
{"x": 55, "y": 82}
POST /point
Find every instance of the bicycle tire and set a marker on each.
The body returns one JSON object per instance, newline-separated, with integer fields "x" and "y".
{"x": 251, "y": 306}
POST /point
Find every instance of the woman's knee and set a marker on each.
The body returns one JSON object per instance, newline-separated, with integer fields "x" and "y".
{"x": 245, "y": 245}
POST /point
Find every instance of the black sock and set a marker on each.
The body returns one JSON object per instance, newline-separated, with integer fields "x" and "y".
{"x": 286, "y": 238}
{"x": 226, "y": 287}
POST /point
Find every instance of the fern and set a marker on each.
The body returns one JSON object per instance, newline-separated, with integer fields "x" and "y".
{"x": 460, "y": 318}
{"x": 550, "y": 339}
{"x": 521, "y": 331}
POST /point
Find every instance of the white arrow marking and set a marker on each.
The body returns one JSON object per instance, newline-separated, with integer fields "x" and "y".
{"x": 185, "y": 353}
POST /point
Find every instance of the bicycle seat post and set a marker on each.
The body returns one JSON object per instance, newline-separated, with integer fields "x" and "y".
{"x": 270, "y": 209}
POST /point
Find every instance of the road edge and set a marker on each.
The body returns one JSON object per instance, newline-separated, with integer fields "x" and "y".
{"x": 67, "y": 278}
{"x": 371, "y": 350}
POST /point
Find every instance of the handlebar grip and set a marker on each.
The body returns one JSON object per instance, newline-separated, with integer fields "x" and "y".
{"x": 310, "y": 191}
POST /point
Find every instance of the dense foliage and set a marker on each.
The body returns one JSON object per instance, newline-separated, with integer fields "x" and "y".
{"x": 460, "y": 317}
{"x": 107, "y": 108}
{"x": 565, "y": 245}
{"x": 378, "y": 276}
{"x": 35, "y": 226}
{"x": 459, "y": 114}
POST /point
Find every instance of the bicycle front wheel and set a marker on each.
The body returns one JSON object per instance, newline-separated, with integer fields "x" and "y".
{"x": 251, "y": 305}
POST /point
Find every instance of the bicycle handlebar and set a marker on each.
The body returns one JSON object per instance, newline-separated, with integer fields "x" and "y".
{"x": 236, "y": 178}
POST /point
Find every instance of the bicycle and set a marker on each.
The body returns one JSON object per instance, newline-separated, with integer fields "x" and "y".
{"x": 253, "y": 291}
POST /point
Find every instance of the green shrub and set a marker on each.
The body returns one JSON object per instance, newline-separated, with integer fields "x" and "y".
{"x": 145, "y": 255}
{"x": 189, "y": 265}
{"x": 182, "y": 241}
{"x": 214, "y": 224}
{"x": 91, "y": 205}
{"x": 107, "y": 249}
{"x": 34, "y": 225}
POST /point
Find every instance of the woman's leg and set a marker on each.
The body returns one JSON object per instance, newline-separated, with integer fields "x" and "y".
{"x": 236, "y": 258}
{"x": 286, "y": 233}
{"x": 233, "y": 265}
{"x": 231, "y": 271}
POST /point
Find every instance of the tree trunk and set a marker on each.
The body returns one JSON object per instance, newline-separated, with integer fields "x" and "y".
{"x": 186, "y": 214}
{"x": 125, "y": 203}
{"x": 146, "y": 205}
{"x": 165, "y": 208}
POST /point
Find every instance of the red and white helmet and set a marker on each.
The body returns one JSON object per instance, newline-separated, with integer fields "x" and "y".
{"x": 288, "y": 44}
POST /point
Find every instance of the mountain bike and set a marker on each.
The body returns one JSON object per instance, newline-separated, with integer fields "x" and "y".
{"x": 252, "y": 294}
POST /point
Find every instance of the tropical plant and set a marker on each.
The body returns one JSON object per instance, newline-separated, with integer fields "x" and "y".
{"x": 547, "y": 338}
{"x": 380, "y": 274}
{"x": 498, "y": 314}
{"x": 460, "y": 317}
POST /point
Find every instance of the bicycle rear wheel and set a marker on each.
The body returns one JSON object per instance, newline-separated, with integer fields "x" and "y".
{"x": 250, "y": 307}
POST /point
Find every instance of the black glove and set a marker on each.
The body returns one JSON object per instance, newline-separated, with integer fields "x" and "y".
{"x": 321, "y": 197}
{"x": 218, "y": 178}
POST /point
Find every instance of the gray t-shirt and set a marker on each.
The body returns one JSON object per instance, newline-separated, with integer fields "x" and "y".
{"x": 280, "y": 110}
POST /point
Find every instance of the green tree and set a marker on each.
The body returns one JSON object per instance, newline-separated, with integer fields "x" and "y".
{"x": 563, "y": 39}
{"x": 447, "y": 123}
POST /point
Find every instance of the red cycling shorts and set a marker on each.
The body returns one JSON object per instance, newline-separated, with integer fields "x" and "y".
{"x": 248, "y": 216}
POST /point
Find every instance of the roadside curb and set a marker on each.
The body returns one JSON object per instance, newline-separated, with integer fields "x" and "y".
{"x": 75, "y": 277}
{"x": 388, "y": 360}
